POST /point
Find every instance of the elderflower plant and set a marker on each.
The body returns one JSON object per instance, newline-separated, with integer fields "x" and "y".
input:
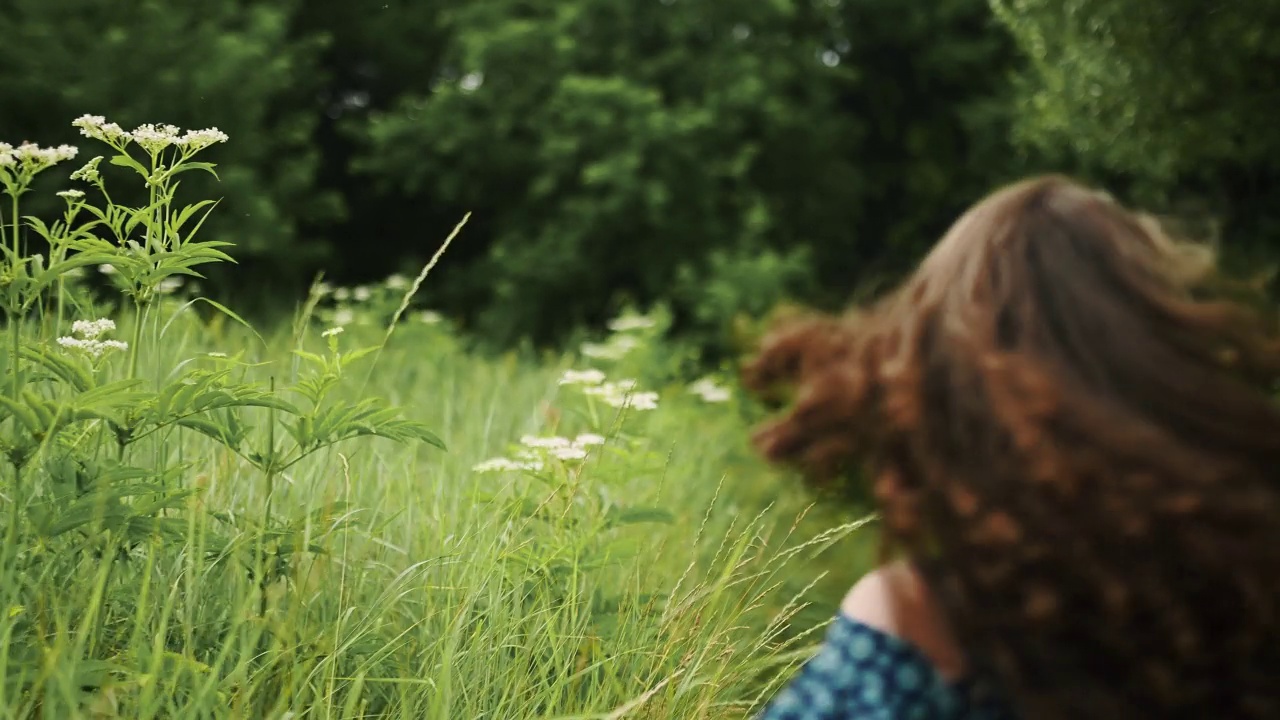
{"x": 89, "y": 342}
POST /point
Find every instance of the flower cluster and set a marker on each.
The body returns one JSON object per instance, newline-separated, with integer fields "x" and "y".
{"x": 536, "y": 451}
{"x": 89, "y": 173}
{"x": 391, "y": 289}
{"x": 619, "y": 393}
{"x": 615, "y": 348}
{"x": 31, "y": 158}
{"x": 150, "y": 137}
{"x": 710, "y": 391}
{"x": 89, "y": 343}
{"x": 622, "y": 341}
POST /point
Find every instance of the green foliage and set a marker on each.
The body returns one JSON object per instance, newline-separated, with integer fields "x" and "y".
{"x": 1171, "y": 103}
{"x": 1160, "y": 91}
{"x": 642, "y": 142}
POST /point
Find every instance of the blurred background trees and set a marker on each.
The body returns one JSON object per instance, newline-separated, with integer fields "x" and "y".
{"x": 719, "y": 156}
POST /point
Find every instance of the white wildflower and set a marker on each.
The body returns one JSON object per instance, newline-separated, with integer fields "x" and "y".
{"x": 622, "y": 394}
{"x": 361, "y": 293}
{"x": 532, "y": 441}
{"x": 344, "y": 316}
{"x": 34, "y": 158}
{"x": 569, "y": 453}
{"x": 397, "y": 282}
{"x": 216, "y": 354}
{"x": 502, "y": 464}
{"x": 631, "y": 321}
{"x": 642, "y": 401}
{"x": 88, "y": 342}
{"x": 615, "y": 348}
{"x": 196, "y": 140}
{"x": 429, "y": 317}
{"x": 70, "y": 194}
{"x": 333, "y": 331}
{"x": 588, "y": 440}
{"x": 342, "y": 294}
{"x": 89, "y": 173}
{"x": 154, "y": 138}
{"x": 94, "y": 348}
{"x": 710, "y": 392}
{"x": 582, "y": 377}
{"x": 322, "y": 289}
{"x": 91, "y": 329}
{"x": 97, "y": 127}
{"x": 170, "y": 285}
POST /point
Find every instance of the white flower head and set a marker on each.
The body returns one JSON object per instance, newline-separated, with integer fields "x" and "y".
{"x": 631, "y": 321}
{"x": 196, "y": 140}
{"x": 502, "y": 464}
{"x": 429, "y": 317}
{"x": 97, "y": 127}
{"x": 93, "y": 348}
{"x": 70, "y": 194}
{"x": 107, "y": 269}
{"x": 154, "y": 138}
{"x": 323, "y": 288}
{"x": 710, "y": 392}
{"x": 532, "y": 441}
{"x": 397, "y": 282}
{"x": 344, "y": 316}
{"x": 89, "y": 343}
{"x": 615, "y": 348}
{"x": 170, "y": 285}
{"x": 342, "y": 294}
{"x": 361, "y": 293}
{"x": 333, "y": 331}
{"x": 588, "y": 440}
{"x": 91, "y": 329}
{"x": 582, "y": 377}
{"x": 569, "y": 453}
{"x": 32, "y": 158}
{"x": 622, "y": 394}
{"x": 89, "y": 173}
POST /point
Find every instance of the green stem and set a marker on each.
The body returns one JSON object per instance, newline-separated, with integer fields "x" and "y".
{"x": 15, "y": 510}
{"x": 15, "y": 320}
{"x": 17, "y": 251}
{"x": 137, "y": 337}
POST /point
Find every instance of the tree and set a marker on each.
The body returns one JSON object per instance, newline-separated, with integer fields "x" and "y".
{"x": 606, "y": 145}
{"x": 1179, "y": 96}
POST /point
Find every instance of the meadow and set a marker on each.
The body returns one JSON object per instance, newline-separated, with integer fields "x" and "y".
{"x": 352, "y": 512}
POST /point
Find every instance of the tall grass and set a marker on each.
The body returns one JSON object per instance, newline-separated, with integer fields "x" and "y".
{"x": 212, "y": 569}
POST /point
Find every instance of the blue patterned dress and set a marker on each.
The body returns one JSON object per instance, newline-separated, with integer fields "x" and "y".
{"x": 865, "y": 674}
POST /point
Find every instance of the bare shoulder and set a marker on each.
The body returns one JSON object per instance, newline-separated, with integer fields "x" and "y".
{"x": 895, "y": 600}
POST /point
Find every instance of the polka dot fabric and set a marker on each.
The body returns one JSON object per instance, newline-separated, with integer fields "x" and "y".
{"x": 864, "y": 674}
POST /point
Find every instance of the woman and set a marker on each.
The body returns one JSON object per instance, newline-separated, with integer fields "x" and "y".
{"x": 1075, "y": 455}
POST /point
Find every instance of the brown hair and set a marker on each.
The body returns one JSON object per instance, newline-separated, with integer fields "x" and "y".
{"x": 1075, "y": 443}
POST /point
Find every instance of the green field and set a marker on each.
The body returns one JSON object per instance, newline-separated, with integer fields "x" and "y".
{"x": 353, "y": 514}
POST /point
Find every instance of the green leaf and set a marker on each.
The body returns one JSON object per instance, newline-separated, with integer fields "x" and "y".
{"x": 227, "y": 311}
{"x": 221, "y": 432}
{"x": 189, "y": 166}
{"x": 124, "y": 160}
{"x": 74, "y": 373}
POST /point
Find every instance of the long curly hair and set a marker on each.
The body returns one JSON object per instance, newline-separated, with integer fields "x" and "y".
{"x": 1067, "y": 424}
